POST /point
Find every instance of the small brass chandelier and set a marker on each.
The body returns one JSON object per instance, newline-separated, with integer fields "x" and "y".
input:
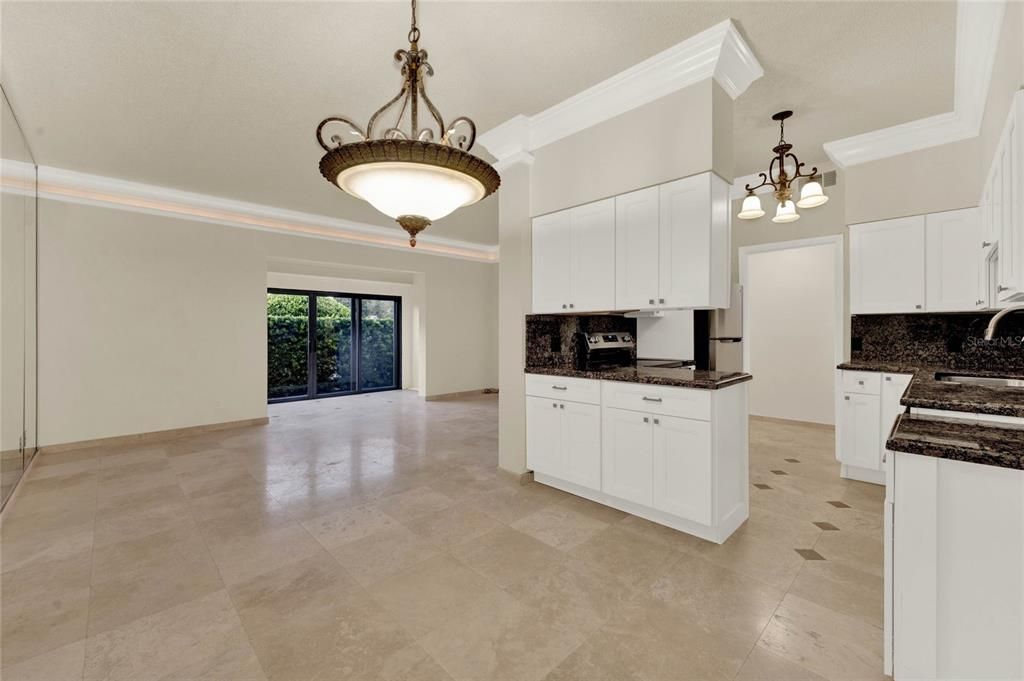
{"x": 811, "y": 195}
{"x": 406, "y": 174}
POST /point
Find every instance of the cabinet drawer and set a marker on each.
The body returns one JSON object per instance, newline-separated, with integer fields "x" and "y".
{"x": 564, "y": 388}
{"x": 690, "y": 403}
{"x": 864, "y": 382}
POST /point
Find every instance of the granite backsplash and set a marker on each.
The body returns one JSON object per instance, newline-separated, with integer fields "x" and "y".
{"x": 955, "y": 340}
{"x": 551, "y": 340}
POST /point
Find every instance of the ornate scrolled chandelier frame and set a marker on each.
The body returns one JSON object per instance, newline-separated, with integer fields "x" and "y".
{"x": 782, "y": 182}
{"x": 443, "y": 152}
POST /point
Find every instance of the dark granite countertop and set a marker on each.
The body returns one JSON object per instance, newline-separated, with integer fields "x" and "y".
{"x": 991, "y": 444}
{"x": 682, "y": 378}
{"x": 926, "y": 392}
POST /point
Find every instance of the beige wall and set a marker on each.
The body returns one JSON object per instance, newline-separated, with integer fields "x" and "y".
{"x": 950, "y": 176}
{"x": 826, "y": 220}
{"x": 515, "y": 282}
{"x": 672, "y": 137}
{"x": 149, "y": 323}
{"x": 790, "y": 333}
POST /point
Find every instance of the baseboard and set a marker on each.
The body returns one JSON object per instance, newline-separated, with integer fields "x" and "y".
{"x": 792, "y": 422}
{"x": 462, "y": 394}
{"x": 522, "y": 478}
{"x": 153, "y": 436}
{"x": 4, "y": 505}
{"x": 862, "y": 474}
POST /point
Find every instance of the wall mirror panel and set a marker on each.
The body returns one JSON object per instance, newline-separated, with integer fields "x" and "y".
{"x": 18, "y": 205}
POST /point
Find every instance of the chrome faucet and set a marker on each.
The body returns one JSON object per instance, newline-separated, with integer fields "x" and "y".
{"x": 990, "y": 332}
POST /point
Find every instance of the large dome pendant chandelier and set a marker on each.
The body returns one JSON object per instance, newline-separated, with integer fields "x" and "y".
{"x": 811, "y": 195}
{"x": 405, "y": 174}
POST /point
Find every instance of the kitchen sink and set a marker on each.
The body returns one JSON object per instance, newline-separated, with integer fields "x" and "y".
{"x": 985, "y": 381}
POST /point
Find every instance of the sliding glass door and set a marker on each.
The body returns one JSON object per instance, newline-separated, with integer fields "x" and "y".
{"x": 324, "y": 344}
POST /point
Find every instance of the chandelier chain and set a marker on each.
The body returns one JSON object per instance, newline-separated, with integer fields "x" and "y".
{"x": 414, "y": 32}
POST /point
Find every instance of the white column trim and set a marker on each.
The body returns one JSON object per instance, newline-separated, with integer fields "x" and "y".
{"x": 718, "y": 52}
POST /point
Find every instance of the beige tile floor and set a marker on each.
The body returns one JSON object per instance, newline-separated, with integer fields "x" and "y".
{"x": 371, "y": 537}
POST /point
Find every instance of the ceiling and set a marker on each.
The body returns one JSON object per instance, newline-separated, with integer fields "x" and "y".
{"x": 223, "y": 98}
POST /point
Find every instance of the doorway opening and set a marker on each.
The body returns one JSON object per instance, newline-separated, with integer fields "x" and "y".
{"x": 326, "y": 344}
{"x": 793, "y": 327}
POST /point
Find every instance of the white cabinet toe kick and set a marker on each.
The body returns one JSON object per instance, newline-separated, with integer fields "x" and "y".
{"x": 675, "y": 456}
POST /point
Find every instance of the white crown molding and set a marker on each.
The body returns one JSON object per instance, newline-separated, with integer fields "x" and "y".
{"x": 978, "y": 25}
{"x": 718, "y": 52}
{"x": 95, "y": 190}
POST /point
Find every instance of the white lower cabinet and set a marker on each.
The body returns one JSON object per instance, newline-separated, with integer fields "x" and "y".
{"x": 563, "y": 439}
{"x": 682, "y": 467}
{"x": 675, "y": 456}
{"x": 627, "y": 454}
{"x": 867, "y": 405}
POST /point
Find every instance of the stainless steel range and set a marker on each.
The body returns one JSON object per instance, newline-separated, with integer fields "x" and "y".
{"x": 604, "y": 350}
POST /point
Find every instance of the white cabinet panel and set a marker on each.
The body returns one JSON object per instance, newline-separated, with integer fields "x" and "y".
{"x": 636, "y": 249}
{"x": 868, "y": 382}
{"x": 685, "y": 242}
{"x": 626, "y": 454}
{"x": 581, "y": 442}
{"x": 860, "y": 428}
{"x": 544, "y": 452}
{"x": 564, "y": 388}
{"x": 691, "y": 403}
{"x": 953, "y": 240}
{"x": 552, "y": 251}
{"x": 682, "y": 467}
{"x": 887, "y": 266}
{"x": 593, "y": 257}
{"x": 893, "y": 387}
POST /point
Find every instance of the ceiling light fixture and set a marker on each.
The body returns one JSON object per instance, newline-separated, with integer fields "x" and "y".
{"x": 405, "y": 174}
{"x": 811, "y": 195}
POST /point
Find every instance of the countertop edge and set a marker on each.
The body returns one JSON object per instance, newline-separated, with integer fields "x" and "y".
{"x": 664, "y": 381}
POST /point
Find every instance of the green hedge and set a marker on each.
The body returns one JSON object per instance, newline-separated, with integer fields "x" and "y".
{"x": 286, "y": 348}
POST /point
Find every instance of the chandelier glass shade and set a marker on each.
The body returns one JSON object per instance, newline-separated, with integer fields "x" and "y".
{"x": 415, "y": 175}
{"x": 781, "y": 181}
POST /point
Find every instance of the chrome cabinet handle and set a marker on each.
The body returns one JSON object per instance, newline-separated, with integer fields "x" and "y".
{"x": 656, "y": 421}
{"x": 661, "y": 301}
{"x": 1002, "y": 288}
{"x": 986, "y": 244}
{"x": 651, "y": 301}
{"x": 646, "y": 420}
{"x": 554, "y": 405}
{"x": 564, "y": 306}
{"x": 561, "y": 406}
{"x": 571, "y": 306}
{"x": 979, "y": 302}
{"x": 888, "y": 378}
{"x": 917, "y": 307}
{"x": 847, "y": 398}
{"x": 651, "y": 399}
{"x": 860, "y": 382}
{"x": 559, "y": 387}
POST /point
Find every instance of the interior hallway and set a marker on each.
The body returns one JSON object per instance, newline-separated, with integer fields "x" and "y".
{"x": 371, "y": 537}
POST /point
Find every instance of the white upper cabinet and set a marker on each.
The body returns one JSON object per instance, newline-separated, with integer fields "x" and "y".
{"x": 887, "y": 271}
{"x": 953, "y": 241}
{"x": 636, "y": 249}
{"x": 1004, "y": 195}
{"x": 661, "y": 247}
{"x": 593, "y": 256}
{"x": 694, "y": 224}
{"x": 552, "y": 251}
{"x": 574, "y": 259}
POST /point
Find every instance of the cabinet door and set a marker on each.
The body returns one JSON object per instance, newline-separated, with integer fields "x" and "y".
{"x": 626, "y": 455}
{"x": 860, "y": 426}
{"x": 544, "y": 437}
{"x": 593, "y": 257}
{"x": 887, "y": 266}
{"x": 953, "y": 241}
{"x": 552, "y": 273}
{"x": 636, "y": 249}
{"x": 581, "y": 442}
{"x": 685, "y": 242}
{"x": 893, "y": 387}
{"x": 682, "y": 467}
